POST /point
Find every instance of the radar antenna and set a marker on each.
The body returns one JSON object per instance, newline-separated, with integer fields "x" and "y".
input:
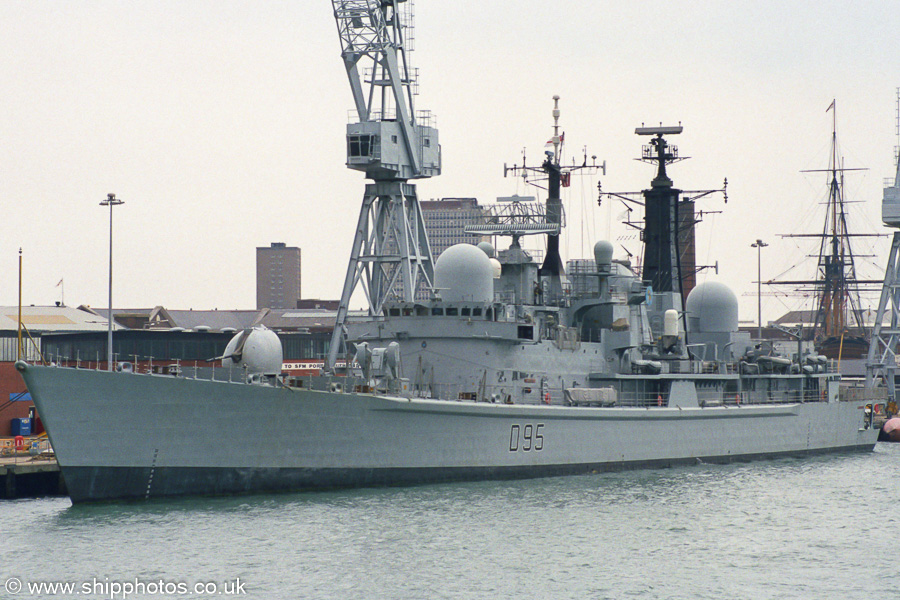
{"x": 391, "y": 143}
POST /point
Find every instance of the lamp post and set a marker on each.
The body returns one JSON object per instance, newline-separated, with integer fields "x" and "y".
{"x": 759, "y": 245}
{"x": 110, "y": 201}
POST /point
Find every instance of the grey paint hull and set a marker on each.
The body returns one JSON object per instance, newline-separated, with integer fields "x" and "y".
{"x": 124, "y": 435}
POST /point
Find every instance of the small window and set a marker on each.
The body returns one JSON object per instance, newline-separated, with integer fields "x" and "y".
{"x": 394, "y": 138}
{"x": 466, "y": 311}
{"x": 452, "y": 312}
{"x": 407, "y": 312}
{"x": 436, "y": 311}
{"x": 394, "y": 312}
{"x": 476, "y": 312}
{"x": 427, "y": 143}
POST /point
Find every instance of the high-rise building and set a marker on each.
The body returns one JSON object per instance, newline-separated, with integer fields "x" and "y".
{"x": 277, "y": 276}
{"x": 446, "y": 222}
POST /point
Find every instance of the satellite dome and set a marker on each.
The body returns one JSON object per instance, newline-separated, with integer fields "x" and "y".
{"x": 712, "y": 308}
{"x": 488, "y": 248}
{"x": 464, "y": 273}
{"x": 603, "y": 253}
{"x": 498, "y": 268}
{"x": 258, "y": 349}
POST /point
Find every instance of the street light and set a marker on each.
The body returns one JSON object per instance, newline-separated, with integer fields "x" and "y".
{"x": 110, "y": 201}
{"x": 759, "y": 245}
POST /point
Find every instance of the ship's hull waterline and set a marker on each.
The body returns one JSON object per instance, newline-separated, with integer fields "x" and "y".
{"x": 126, "y": 435}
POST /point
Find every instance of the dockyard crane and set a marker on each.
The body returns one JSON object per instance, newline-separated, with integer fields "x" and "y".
{"x": 391, "y": 143}
{"x": 883, "y": 360}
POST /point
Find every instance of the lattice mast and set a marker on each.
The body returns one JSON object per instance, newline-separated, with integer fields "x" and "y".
{"x": 391, "y": 143}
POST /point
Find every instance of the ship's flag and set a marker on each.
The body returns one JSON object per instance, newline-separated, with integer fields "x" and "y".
{"x": 830, "y": 106}
{"x": 60, "y": 283}
{"x": 562, "y": 138}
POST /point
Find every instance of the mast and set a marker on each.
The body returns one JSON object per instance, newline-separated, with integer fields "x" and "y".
{"x": 552, "y": 269}
{"x": 662, "y": 264}
{"x": 836, "y": 287}
{"x": 517, "y": 220}
{"x": 838, "y": 294}
{"x": 669, "y": 266}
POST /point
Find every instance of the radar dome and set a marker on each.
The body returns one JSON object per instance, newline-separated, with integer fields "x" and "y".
{"x": 464, "y": 273}
{"x": 712, "y": 308}
{"x": 258, "y": 349}
{"x": 603, "y": 253}
{"x": 488, "y": 248}
{"x": 498, "y": 268}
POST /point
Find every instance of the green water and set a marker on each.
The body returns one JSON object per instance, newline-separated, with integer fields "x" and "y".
{"x": 813, "y": 528}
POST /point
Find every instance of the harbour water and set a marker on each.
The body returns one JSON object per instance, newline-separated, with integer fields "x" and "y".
{"x": 820, "y": 527}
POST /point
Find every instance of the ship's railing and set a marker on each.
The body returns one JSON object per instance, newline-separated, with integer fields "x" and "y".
{"x": 710, "y": 398}
{"x": 519, "y": 391}
{"x": 536, "y": 394}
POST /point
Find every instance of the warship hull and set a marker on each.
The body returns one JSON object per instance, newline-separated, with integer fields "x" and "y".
{"x": 132, "y": 436}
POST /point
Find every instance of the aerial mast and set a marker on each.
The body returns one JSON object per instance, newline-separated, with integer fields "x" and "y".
{"x": 391, "y": 143}
{"x": 552, "y": 267}
{"x": 517, "y": 220}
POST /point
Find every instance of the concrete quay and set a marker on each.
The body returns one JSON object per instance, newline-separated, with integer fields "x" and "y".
{"x": 26, "y": 477}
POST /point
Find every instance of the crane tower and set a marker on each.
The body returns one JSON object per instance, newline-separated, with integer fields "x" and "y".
{"x": 881, "y": 363}
{"x": 391, "y": 143}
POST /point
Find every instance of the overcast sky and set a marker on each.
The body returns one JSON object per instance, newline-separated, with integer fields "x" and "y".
{"x": 221, "y": 125}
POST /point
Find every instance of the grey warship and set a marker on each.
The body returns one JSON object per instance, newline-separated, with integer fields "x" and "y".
{"x": 482, "y": 364}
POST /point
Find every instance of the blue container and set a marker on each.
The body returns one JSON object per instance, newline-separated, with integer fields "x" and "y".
{"x": 20, "y": 427}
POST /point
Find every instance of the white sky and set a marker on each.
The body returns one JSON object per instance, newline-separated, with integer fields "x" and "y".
{"x": 221, "y": 125}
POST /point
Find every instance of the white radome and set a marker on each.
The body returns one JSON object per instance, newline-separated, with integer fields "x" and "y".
{"x": 258, "y": 349}
{"x": 712, "y": 308}
{"x": 464, "y": 273}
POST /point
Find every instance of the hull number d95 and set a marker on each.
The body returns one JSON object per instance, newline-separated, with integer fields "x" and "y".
{"x": 526, "y": 438}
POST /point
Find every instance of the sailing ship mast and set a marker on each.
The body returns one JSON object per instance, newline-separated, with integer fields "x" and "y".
{"x": 838, "y": 325}
{"x": 838, "y": 296}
